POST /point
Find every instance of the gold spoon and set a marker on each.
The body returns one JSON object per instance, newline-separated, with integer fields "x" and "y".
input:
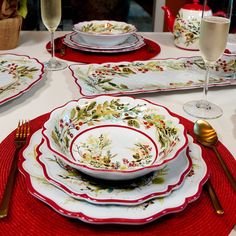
{"x": 207, "y": 136}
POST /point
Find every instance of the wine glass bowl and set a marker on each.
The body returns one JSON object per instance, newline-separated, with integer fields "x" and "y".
{"x": 214, "y": 31}
{"x": 51, "y": 17}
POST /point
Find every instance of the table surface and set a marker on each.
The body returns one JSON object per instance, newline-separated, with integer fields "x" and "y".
{"x": 59, "y": 87}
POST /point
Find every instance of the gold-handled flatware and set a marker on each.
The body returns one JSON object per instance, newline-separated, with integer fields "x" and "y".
{"x": 22, "y": 132}
{"x": 214, "y": 199}
{"x": 207, "y": 136}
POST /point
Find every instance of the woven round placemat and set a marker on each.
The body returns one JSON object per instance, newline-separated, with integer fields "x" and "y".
{"x": 150, "y": 50}
{"x": 29, "y": 216}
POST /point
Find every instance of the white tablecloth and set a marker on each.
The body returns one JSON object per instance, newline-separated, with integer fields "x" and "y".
{"x": 58, "y": 87}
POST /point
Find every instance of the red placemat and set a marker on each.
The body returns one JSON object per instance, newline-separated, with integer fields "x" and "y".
{"x": 29, "y": 216}
{"x": 150, "y": 50}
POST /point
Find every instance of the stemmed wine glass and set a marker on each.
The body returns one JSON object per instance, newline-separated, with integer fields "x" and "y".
{"x": 51, "y": 17}
{"x": 214, "y": 31}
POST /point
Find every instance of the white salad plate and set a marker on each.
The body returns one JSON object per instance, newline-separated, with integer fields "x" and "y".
{"x": 149, "y": 76}
{"x": 143, "y": 213}
{"x": 18, "y": 73}
{"x": 77, "y": 185}
{"x": 78, "y": 41}
{"x": 104, "y": 32}
{"x": 114, "y": 138}
{"x": 67, "y": 41}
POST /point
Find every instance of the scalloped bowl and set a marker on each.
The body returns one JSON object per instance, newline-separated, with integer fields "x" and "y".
{"x": 104, "y": 33}
{"x": 114, "y": 138}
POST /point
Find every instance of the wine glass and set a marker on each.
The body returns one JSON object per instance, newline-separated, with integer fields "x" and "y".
{"x": 214, "y": 31}
{"x": 51, "y": 17}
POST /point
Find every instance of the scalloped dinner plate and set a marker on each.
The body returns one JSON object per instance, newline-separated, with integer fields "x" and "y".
{"x": 109, "y": 214}
{"x": 77, "y": 185}
{"x": 18, "y": 73}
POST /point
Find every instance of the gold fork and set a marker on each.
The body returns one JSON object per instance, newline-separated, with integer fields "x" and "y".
{"x": 22, "y": 132}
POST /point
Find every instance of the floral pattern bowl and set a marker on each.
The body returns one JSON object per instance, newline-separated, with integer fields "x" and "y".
{"x": 104, "y": 32}
{"x": 115, "y": 138}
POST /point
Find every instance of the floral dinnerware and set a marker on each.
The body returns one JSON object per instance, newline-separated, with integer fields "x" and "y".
{"x": 115, "y": 138}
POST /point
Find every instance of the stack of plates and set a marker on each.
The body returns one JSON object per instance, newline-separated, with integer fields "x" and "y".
{"x": 104, "y": 37}
{"x": 113, "y": 160}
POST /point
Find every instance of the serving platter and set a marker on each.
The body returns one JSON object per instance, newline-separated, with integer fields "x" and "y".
{"x": 87, "y": 134}
{"x": 143, "y": 213}
{"x": 18, "y": 73}
{"x": 157, "y": 184}
{"x": 151, "y": 75}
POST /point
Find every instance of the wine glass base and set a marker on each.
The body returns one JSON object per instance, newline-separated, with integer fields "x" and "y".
{"x": 203, "y": 109}
{"x": 55, "y": 65}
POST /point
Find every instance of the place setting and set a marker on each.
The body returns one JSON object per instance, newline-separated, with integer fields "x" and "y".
{"x": 99, "y": 40}
{"x": 80, "y": 167}
{"x": 74, "y": 162}
{"x": 103, "y": 162}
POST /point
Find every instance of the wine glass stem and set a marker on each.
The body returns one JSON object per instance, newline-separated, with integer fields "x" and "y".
{"x": 206, "y": 82}
{"x": 52, "y": 47}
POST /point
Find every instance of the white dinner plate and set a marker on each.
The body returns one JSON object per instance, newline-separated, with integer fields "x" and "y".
{"x": 143, "y": 213}
{"x": 74, "y": 183}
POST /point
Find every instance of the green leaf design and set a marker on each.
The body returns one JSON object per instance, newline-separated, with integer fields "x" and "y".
{"x": 158, "y": 180}
{"x": 72, "y": 113}
{"x": 108, "y": 88}
{"x": 80, "y": 113}
{"x": 123, "y": 86}
{"x": 91, "y": 106}
{"x": 55, "y": 138}
{"x": 104, "y": 81}
{"x": 112, "y": 84}
{"x": 134, "y": 123}
{"x": 67, "y": 141}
